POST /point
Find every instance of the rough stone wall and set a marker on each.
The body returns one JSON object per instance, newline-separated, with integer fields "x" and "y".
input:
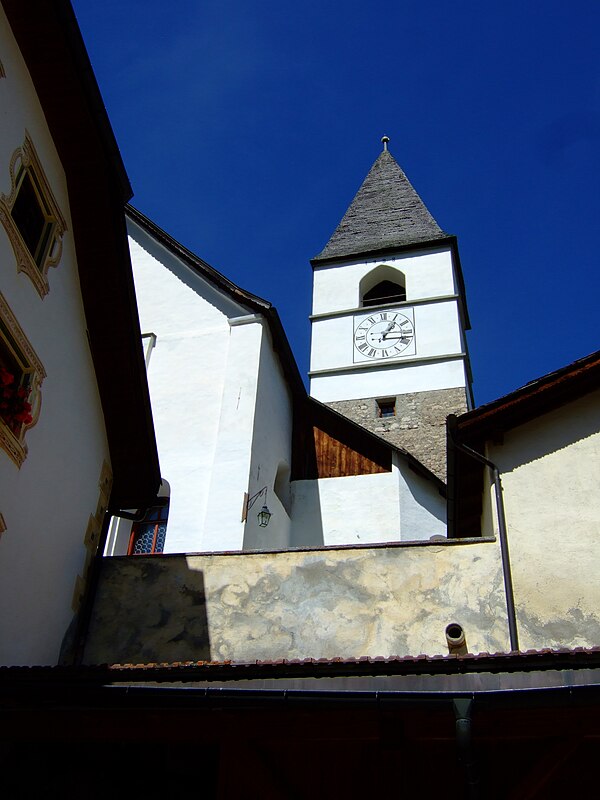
{"x": 419, "y": 425}
{"x": 298, "y": 604}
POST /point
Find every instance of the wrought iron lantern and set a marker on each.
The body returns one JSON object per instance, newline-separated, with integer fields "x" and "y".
{"x": 264, "y": 515}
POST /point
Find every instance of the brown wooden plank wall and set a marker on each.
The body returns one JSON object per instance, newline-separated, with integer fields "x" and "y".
{"x": 327, "y": 445}
{"x": 336, "y": 459}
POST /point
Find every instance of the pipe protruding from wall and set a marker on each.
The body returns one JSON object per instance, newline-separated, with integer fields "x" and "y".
{"x": 456, "y": 639}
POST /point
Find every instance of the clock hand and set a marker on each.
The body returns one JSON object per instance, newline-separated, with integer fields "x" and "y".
{"x": 395, "y": 334}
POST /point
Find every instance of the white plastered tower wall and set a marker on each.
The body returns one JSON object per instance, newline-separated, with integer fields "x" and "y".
{"x": 46, "y": 503}
{"x": 436, "y": 360}
{"x": 413, "y": 352}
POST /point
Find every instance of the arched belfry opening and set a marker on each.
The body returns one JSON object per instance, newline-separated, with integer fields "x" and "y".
{"x": 382, "y": 286}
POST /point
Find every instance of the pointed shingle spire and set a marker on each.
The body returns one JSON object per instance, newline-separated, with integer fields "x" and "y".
{"x": 385, "y": 213}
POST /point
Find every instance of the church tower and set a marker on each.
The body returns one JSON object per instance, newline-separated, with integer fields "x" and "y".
{"x": 388, "y": 346}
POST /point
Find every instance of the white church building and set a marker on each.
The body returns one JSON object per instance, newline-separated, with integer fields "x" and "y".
{"x": 368, "y": 579}
{"x": 359, "y": 461}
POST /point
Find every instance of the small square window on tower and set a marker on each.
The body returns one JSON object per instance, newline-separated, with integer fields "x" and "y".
{"x": 387, "y": 407}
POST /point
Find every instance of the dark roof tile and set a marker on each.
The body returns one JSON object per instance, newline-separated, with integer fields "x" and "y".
{"x": 385, "y": 213}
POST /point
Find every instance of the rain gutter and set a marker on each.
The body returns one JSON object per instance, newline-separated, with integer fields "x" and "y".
{"x": 502, "y": 535}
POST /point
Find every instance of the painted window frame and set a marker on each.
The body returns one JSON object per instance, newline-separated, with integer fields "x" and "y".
{"x": 31, "y": 374}
{"x": 27, "y": 174}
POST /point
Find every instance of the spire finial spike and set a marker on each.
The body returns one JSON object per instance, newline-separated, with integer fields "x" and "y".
{"x": 385, "y": 139}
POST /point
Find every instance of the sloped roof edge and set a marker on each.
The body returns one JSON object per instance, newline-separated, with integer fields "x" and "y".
{"x": 48, "y": 32}
{"x": 366, "y": 666}
{"x": 201, "y": 267}
{"x": 535, "y": 398}
{"x": 416, "y": 465}
{"x": 386, "y": 210}
{"x": 382, "y": 252}
{"x": 232, "y": 290}
{"x": 51, "y": 44}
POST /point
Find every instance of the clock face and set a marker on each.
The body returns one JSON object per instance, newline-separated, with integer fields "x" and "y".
{"x": 383, "y": 334}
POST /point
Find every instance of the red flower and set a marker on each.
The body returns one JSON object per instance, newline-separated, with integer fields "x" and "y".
{"x": 6, "y": 377}
{"x": 15, "y": 408}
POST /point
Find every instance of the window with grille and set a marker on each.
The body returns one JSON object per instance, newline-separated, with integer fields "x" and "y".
{"x": 148, "y": 536}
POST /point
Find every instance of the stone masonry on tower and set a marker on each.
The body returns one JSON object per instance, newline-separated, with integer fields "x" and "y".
{"x": 389, "y": 318}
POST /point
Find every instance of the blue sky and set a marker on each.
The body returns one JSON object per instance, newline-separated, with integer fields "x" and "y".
{"x": 247, "y": 127}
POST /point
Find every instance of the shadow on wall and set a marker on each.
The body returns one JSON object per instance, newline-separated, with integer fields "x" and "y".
{"x": 135, "y": 621}
{"x": 307, "y": 522}
{"x": 550, "y": 433}
{"x": 425, "y": 496}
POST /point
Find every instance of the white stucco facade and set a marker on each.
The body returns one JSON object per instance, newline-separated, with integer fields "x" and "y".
{"x": 47, "y": 502}
{"x": 202, "y": 374}
{"x": 271, "y": 454}
{"x": 550, "y": 469}
{"x": 367, "y": 509}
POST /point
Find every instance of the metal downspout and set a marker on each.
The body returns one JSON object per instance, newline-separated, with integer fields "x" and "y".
{"x": 502, "y": 535}
{"x": 464, "y": 743}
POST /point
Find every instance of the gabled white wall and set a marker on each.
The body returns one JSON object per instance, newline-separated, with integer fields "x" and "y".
{"x": 46, "y": 503}
{"x": 422, "y": 507}
{"x": 202, "y": 376}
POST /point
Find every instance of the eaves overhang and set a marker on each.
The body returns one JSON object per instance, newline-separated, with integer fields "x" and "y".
{"x": 530, "y": 401}
{"x": 197, "y": 264}
{"x": 569, "y": 663}
{"x": 48, "y": 36}
{"x": 254, "y": 303}
{"x": 373, "y": 254}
